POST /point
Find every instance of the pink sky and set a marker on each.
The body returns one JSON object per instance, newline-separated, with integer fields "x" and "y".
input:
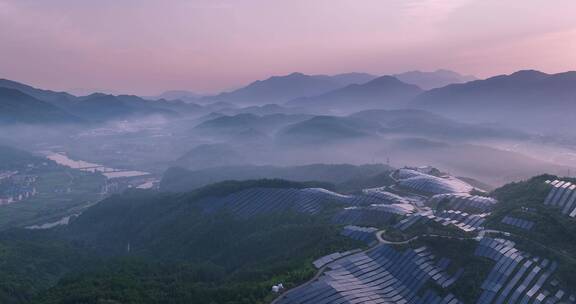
{"x": 148, "y": 46}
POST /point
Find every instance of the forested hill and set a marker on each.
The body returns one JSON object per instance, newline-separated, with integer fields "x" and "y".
{"x": 229, "y": 242}
{"x": 146, "y": 247}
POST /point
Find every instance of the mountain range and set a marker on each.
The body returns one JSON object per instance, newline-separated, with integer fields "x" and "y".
{"x": 182, "y": 95}
{"x": 525, "y": 98}
{"x": 384, "y": 92}
{"x": 17, "y": 107}
{"x": 371, "y": 123}
{"x": 349, "y": 91}
{"x": 278, "y": 89}
{"x": 25, "y": 104}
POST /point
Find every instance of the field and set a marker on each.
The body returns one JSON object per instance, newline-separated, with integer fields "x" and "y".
{"x": 60, "y": 192}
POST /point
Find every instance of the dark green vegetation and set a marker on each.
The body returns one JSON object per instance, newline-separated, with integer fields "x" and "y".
{"x": 422, "y": 228}
{"x": 31, "y": 262}
{"x": 151, "y": 247}
{"x": 147, "y": 246}
{"x": 553, "y": 236}
{"x": 346, "y": 178}
{"x": 61, "y": 192}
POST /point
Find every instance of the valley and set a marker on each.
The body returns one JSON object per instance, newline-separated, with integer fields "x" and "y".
{"x": 294, "y": 189}
{"x": 288, "y": 152}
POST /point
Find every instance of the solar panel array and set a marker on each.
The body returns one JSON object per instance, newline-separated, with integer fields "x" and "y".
{"x": 429, "y": 184}
{"x": 562, "y": 196}
{"x": 321, "y": 262}
{"x": 518, "y": 223}
{"x": 373, "y": 215}
{"x": 363, "y": 216}
{"x": 381, "y": 194}
{"x": 382, "y": 275}
{"x": 364, "y": 234}
{"x": 411, "y": 220}
{"x": 257, "y": 201}
{"x": 361, "y": 199}
{"x": 461, "y": 220}
{"x": 516, "y": 277}
{"x": 464, "y": 202}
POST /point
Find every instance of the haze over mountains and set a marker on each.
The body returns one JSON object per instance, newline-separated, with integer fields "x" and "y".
{"x": 346, "y": 93}
{"x": 246, "y": 188}
{"x": 384, "y": 92}
{"x": 530, "y": 99}
{"x": 432, "y": 80}
{"x": 287, "y": 118}
{"x": 278, "y": 89}
{"x": 17, "y": 107}
{"x": 287, "y": 152}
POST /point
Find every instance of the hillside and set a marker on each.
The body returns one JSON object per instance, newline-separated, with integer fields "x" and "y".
{"x": 168, "y": 241}
{"x": 231, "y": 241}
{"x": 325, "y": 129}
{"x": 12, "y": 158}
{"x": 180, "y": 180}
{"x": 17, "y": 107}
{"x": 529, "y": 99}
{"x": 231, "y": 126}
{"x": 102, "y": 107}
{"x": 351, "y": 78}
{"x": 551, "y": 232}
{"x": 370, "y": 123}
{"x": 385, "y": 92}
{"x": 55, "y": 98}
{"x": 423, "y": 123}
{"x": 96, "y": 107}
{"x": 277, "y": 89}
{"x": 211, "y": 155}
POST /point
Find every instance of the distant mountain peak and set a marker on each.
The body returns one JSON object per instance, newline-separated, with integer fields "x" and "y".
{"x": 383, "y": 92}
{"x": 183, "y": 95}
{"x": 19, "y": 107}
{"x": 291, "y": 76}
{"x": 528, "y": 98}
{"x": 384, "y": 80}
{"x": 529, "y": 74}
{"x": 432, "y": 80}
{"x": 297, "y": 74}
{"x": 277, "y": 89}
{"x": 97, "y": 95}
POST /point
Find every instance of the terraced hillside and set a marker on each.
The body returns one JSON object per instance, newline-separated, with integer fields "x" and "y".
{"x": 430, "y": 184}
{"x": 381, "y": 275}
{"x": 389, "y": 244}
{"x": 477, "y": 265}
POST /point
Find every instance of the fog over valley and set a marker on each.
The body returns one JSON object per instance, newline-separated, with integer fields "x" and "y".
{"x": 287, "y": 152}
{"x": 358, "y": 123}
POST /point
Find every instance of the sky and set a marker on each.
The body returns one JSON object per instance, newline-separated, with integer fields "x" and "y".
{"x": 148, "y": 46}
